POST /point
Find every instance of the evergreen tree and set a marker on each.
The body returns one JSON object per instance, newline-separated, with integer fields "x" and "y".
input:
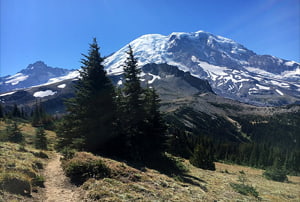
{"x": 133, "y": 107}
{"x": 41, "y": 139}
{"x": 14, "y": 133}
{"x": 90, "y": 118}
{"x": 202, "y": 158}
{"x": 16, "y": 111}
{"x": 1, "y": 111}
{"x": 155, "y": 127}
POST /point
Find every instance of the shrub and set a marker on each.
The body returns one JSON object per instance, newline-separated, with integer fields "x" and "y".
{"x": 15, "y": 183}
{"x": 40, "y": 154}
{"x": 202, "y": 158}
{"x": 41, "y": 141}
{"x": 244, "y": 189}
{"x": 84, "y": 166}
{"x": 68, "y": 153}
{"x": 38, "y": 181}
{"x": 276, "y": 175}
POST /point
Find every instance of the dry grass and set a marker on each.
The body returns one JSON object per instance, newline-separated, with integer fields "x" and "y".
{"x": 21, "y": 163}
{"x": 130, "y": 184}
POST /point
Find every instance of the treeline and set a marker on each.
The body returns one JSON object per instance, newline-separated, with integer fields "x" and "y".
{"x": 37, "y": 115}
{"x": 260, "y": 155}
{"x": 100, "y": 118}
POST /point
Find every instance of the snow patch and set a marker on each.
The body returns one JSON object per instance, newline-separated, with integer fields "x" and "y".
{"x": 262, "y": 87}
{"x": 279, "y": 92}
{"x": 120, "y": 82}
{"x": 9, "y": 93}
{"x": 44, "y": 93}
{"x": 154, "y": 77}
{"x": 62, "y": 85}
{"x": 15, "y": 79}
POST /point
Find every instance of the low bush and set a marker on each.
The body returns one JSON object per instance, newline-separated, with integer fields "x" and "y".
{"x": 244, "y": 189}
{"x": 15, "y": 183}
{"x": 40, "y": 154}
{"x": 84, "y": 166}
{"x": 276, "y": 175}
{"x": 38, "y": 181}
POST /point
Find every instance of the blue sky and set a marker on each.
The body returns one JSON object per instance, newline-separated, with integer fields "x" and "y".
{"x": 58, "y": 31}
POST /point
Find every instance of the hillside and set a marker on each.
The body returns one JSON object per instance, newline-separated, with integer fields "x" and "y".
{"x": 130, "y": 181}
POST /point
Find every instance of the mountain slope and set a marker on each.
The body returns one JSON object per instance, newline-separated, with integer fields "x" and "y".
{"x": 232, "y": 70}
{"x": 35, "y": 74}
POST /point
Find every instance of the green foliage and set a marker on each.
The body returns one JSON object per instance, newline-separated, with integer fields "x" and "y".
{"x": 68, "y": 153}
{"x": 38, "y": 181}
{"x": 140, "y": 125}
{"x": 40, "y": 154}
{"x": 1, "y": 111}
{"x": 14, "y": 133}
{"x": 40, "y": 118}
{"x": 243, "y": 187}
{"x": 88, "y": 124}
{"x": 202, "y": 158}
{"x": 84, "y": 166}
{"x": 278, "y": 175}
{"x": 41, "y": 139}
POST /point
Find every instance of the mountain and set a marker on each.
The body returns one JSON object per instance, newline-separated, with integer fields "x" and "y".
{"x": 170, "y": 82}
{"x": 232, "y": 70}
{"x": 35, "y": 74}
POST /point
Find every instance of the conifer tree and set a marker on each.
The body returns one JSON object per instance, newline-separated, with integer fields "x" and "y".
{"x": 133, "y": 107}
{"x": 90, "y": 118}
{"x": 16, "y": 111}
{"x": 202, "y": 158}
{"x": 155, "y": 127}
{"x": 41, "y": 139}
{"x": 1, "y": 111}
{"x": 14, "y": 133}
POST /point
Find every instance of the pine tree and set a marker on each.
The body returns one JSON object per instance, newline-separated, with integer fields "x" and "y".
{"x": 202, "y": 158}
{"x": 1, "y": 111}
{"x": 133, "y": 107}
{"x": 16, "y": 111}
{"x": 155, "y": 127}
{"x": 41, "y": 139}
{"x": 91, "y": 112}
{"x": 14, "y": 133}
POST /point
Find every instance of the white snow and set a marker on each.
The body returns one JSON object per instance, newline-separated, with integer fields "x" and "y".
{"x": 62, "y": 85}
{"x": 262, "y": 87}
{"x": 44, "y": 93}
{"x": 70, "y": 75}
{"x": 15, "y": 79}
{"x": 120, "y": 82}
{"x": 290, "y": 63}
{"x": 279, "y": 92}
{"x": 9, "y": 93}
{"x": 154, "y": 77}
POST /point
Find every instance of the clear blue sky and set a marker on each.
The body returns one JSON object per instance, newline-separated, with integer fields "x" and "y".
{"x": 58, "y": 31}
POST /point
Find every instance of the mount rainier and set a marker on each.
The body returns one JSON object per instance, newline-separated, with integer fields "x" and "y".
{"x": 232, "y": 70}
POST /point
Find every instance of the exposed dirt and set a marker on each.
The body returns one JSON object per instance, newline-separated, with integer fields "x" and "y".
{"x": 57, "y": 186}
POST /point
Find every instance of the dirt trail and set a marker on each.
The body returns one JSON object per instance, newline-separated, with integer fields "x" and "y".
{"x": 57, "y": 185}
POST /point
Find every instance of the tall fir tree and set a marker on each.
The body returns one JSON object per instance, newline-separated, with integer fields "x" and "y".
{"x": 155, "y": 127}
{"x": 133, "y": 101}
{"x": 89, "y": 123}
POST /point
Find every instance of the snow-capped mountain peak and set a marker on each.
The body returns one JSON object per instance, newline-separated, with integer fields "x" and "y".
{"x": 35, "y": 74}
{"x": 232, "y": 70}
